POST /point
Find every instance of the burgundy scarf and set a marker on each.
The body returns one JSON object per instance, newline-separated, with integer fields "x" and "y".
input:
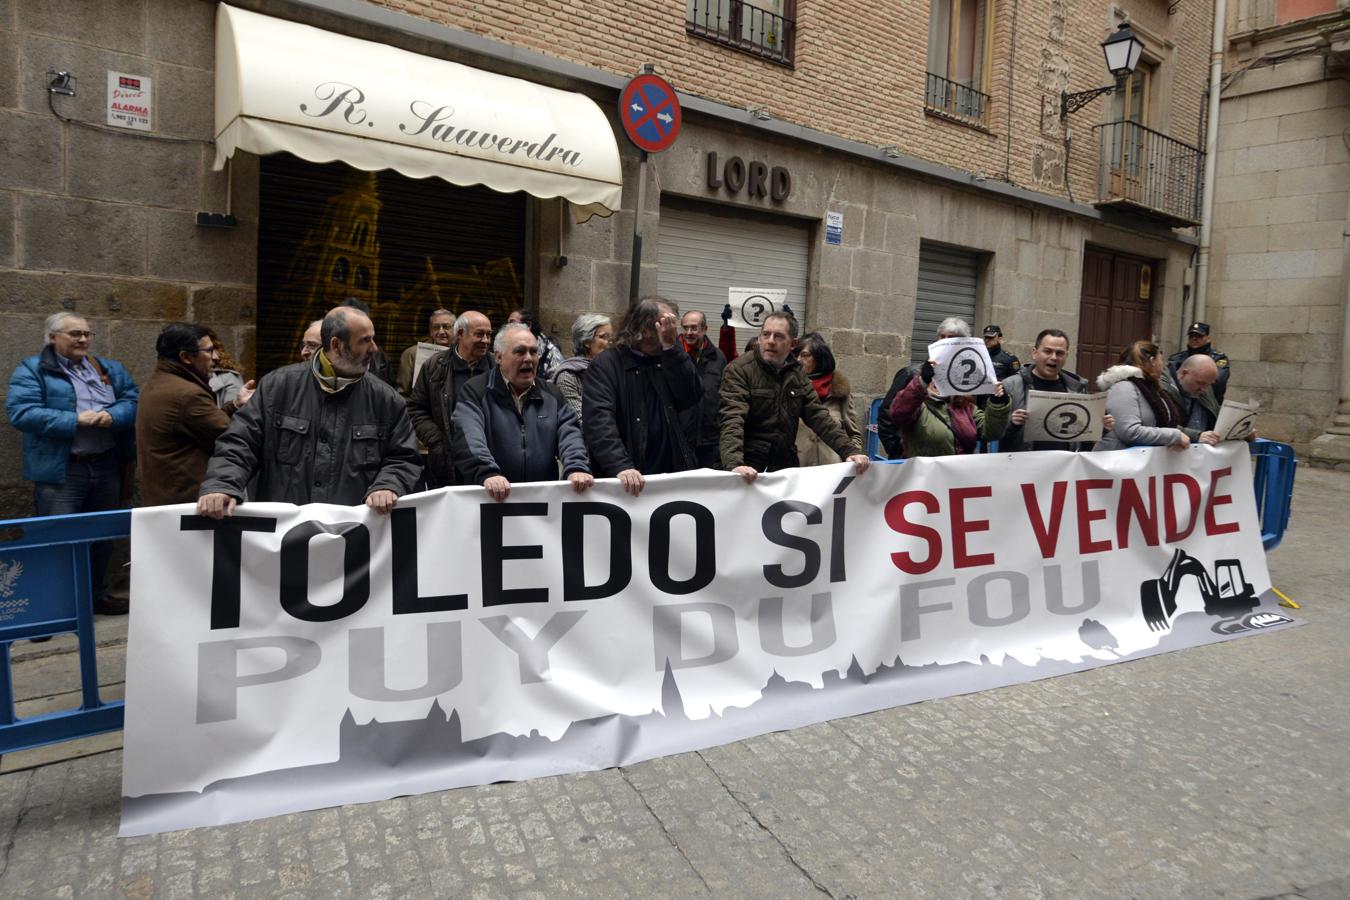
{"x": 1165, "y": 412}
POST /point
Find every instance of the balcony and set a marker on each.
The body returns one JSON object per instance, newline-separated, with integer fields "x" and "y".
{"x": 744, "y": 26}
{"x": 1147, "y": 173}
{"x": 949, "y": 99}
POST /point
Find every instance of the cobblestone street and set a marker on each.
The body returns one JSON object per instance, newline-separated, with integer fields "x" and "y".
{"x": 1217, "y": 771}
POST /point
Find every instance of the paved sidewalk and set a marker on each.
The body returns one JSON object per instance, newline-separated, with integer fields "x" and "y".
{"x": 1218, "y": 771}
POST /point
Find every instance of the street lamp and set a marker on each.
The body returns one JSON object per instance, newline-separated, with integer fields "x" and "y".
{"x": 1122, "y": 49}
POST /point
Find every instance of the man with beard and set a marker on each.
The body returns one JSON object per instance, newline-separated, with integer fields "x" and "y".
{"x": 322, "y": 431}
{"x": 511, "y": 428}
{"x": 765, "y": 394}
{"x": 177, "y": 420}
{"x": 1045, "y": 372}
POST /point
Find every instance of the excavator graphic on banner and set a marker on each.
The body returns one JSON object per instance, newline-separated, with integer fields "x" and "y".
{"x": 1227, "y": 594}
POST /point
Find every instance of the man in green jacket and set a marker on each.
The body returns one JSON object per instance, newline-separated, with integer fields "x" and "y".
{"x": 764, "y": 395}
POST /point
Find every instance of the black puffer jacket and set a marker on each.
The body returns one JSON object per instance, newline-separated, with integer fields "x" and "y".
{"x": 309, "y": 446}
{"x": 615, "y": 404}
{"x": 431, "y": 407}
{"x": 491, "y": 438}
{"x": 700, "y": 421}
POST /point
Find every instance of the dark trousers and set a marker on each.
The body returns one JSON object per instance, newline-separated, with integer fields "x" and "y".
{"x": 91, "y": 485}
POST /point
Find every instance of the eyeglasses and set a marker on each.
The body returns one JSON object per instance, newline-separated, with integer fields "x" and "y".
{"x": 310, "y": 345}
{"x": 205, "y": 350}
{"x": 77, "y": 335}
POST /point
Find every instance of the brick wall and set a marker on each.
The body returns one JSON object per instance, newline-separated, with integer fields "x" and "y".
{"x": 860, "y": 65}
{"x": 103, "y": 224}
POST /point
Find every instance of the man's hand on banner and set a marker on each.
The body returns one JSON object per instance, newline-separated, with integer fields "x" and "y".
{"x": 498, "y": 487}
{"x": 581, "y": 481}
{"x": 216, "y": 506}
{"x": 861, "y": 462}
{"x": 1182, "y": 442}
{"x": 381, "y": 501}
{"x": 746, "y": 472}
{"x": 1209, "y": 438}
{"x": 632, "y": 481}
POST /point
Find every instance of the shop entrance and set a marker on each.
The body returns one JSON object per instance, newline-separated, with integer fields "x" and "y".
{"x": 1116, "y": 307}
{"x": 404, "y": 246}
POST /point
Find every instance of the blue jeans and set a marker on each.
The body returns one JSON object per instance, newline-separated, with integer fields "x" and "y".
{"x": 90, "y": 486}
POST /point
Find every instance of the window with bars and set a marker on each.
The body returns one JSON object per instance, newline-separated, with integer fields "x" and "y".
{"x": 960, "y": 41}
{"x": 764, "y": 28}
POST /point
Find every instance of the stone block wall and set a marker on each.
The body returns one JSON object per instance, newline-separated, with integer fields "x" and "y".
{"x": 1278, "y": 284}
{"x": 100, "y": 221}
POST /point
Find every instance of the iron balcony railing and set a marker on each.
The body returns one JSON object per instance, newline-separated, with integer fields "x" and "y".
{"x": 955, "y": 100}
{"x": 1148, "y": 169}
{"x": 736, "y": 23}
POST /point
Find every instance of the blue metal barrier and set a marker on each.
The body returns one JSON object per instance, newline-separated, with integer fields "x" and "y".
{"x": 1273, "y": 468}
{"x": 873, "y": 447}
{"x": 45, "y": 590}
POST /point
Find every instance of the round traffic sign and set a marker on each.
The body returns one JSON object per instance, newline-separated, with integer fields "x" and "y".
{"x": 650, "y": 113}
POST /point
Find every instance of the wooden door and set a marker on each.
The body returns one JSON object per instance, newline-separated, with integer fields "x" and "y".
{"x": 1116, "y": 308}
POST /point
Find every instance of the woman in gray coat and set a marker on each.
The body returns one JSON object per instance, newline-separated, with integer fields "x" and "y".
{"x": 1145, "y": 415}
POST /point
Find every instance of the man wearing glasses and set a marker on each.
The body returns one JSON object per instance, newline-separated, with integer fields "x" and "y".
{"x": 177, "y": 421}
{"x": 76, "y": 412}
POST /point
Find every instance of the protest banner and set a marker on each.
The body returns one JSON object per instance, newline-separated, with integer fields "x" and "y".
{"x": 1066, "y": 418}
{"x": 293, "y": 658}
{"x": 962, "y": 366}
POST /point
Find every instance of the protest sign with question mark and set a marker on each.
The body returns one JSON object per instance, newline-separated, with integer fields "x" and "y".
{"x": 962, "y": 366}
{"x": 1236, "y": 420}
{"x": 1063, "y": 418}
{"x": 749, "y": 306}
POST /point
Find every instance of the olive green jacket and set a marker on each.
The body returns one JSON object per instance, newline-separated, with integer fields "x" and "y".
{"x": 759, "y": 412}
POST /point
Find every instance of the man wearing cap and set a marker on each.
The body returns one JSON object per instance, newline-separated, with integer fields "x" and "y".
{"x": 1197, "y": 341}
{"x": 1004, "y": 362}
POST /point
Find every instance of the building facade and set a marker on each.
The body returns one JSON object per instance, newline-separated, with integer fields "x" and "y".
{"x": 874, "y": 166}
{"x": 1278, "y": 289}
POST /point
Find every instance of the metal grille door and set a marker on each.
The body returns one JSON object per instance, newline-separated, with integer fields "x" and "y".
{"x": 948, "y": 280}
{"x": 703, "y": 253}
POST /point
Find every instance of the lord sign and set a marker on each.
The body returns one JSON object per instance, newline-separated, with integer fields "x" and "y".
{"x": 294, "y": 658}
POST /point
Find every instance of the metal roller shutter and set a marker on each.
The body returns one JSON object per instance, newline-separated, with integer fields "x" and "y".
{"x": 948, "y": 279}
{"x": 404, "y": 246}
{"x": 704, "y": 252}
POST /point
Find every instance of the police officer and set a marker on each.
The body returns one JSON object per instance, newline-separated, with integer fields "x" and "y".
{"x": 1004, "y": 362}
{"x": 1197, "y": 341}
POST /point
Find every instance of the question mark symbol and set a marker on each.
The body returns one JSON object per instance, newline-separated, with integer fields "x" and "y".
{"x": 968, "y": 378}
{"x": 758, "y": 311}
{"x": 1067, "y": 420}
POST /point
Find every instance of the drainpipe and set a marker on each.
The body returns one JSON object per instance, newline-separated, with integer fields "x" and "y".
{"x": 1211, "y": 161}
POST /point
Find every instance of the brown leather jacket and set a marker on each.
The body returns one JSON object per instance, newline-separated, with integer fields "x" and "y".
{"x": 177, "y": 423}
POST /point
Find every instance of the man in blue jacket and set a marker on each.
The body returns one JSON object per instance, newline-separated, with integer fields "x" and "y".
{"x": 77, "y": 413}
{"x": 510, "y": 427}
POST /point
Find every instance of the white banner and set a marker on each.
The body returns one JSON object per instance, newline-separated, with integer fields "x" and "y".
{"x": 296, "y": 658}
